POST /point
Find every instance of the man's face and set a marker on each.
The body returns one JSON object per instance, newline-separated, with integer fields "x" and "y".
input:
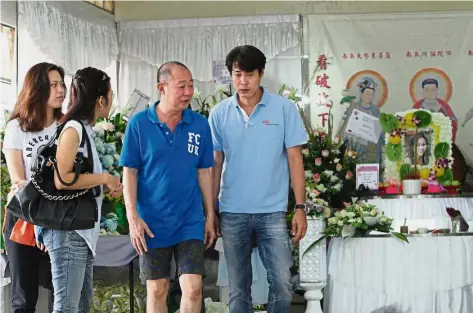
{"x": 430, "y": 91}
{"x": 246, "y": 84}
{"x": 178, "y": 91}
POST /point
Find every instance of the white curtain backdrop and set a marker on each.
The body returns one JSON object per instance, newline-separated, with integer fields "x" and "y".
{"x": 144, "y": 45}
{"x": 70, "y": 41}
{"x": 73, "y": 35}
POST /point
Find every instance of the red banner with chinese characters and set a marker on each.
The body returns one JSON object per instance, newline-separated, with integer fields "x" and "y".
{"x": 391, "y": 63}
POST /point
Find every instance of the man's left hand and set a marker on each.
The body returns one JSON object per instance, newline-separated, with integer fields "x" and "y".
{"x": 299, "y": 225}
{"x": 210, "y": 233}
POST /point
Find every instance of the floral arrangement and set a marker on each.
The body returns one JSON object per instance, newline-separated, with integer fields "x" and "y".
{"x": 414, "y": 123}
{"x": 357, "y": 220}
{"x": 108, "y": 140}
{"x": 205, "y": 104}
{"x": 5, "y": 185}
{"x": 300, "y": 101}
{"x": 329, "y": 164}
{"x": 109, "y": 224}
{"x": 109, "y": 135}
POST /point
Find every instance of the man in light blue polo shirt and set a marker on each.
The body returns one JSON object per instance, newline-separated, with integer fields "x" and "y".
{"x": 167, "y": 155}
{"x": 257, "y": 139}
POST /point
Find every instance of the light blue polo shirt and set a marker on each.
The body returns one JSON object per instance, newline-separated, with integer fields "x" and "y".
{"x": 255, "y": 176}
{"x": 169, "y": 199}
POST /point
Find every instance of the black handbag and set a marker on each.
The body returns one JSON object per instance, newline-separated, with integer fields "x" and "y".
{"x": 40, "y": 203}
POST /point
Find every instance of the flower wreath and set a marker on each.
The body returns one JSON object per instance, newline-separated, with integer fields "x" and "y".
{"x": 398, "y": 125}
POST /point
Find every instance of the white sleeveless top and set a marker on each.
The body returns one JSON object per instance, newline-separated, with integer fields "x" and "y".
{"x": 91, "y": 236}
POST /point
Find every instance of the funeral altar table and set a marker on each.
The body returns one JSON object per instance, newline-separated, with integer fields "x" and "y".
{"x": 426, "y": 210}
{"x": 381, "y": 274}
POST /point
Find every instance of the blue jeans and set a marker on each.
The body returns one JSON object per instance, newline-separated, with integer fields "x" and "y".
{"x": 273, "y": 245}
{"x": 72, "y": 270}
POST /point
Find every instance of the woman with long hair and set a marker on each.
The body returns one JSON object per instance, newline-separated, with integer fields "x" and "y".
{"x": 72, "y": 253}
{"x": 422, "y": 149}
{"x": 32, "y": 124}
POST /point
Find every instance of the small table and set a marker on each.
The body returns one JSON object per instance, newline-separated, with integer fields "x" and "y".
{"x": 115, "y": 251}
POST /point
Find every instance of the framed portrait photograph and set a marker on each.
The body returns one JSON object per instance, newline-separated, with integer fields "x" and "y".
{"x": 419, "y": 146}
{"x": 7, "y": 42}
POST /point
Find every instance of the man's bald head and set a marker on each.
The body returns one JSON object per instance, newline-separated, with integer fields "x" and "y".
{"x": 165, "y": 71}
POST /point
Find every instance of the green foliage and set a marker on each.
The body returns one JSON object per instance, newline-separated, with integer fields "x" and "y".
{"x": 205, "y": 104}
{"x": 405, "y": 170}
{"x": 4, "y": 187}
{"x": 393, "y": 152}
{"x": 424, "y": 117}
{"x": 347, "y": 99}
{"x": 441, "y": 150}
{"x": 116, "y": 298}
{"x": 446, "y": 177}
{"x": 389, "y": 122}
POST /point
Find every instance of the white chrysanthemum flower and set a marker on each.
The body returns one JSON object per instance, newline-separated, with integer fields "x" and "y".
{"x": 222, "y": 88}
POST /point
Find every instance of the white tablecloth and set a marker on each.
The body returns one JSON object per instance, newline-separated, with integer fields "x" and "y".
{"x": 424, "y": 212}
{"x": 386, "y": 275}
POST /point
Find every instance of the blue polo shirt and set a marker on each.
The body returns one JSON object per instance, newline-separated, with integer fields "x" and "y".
{"x": 169, "y": 199}
{"x": 255, "y": 176}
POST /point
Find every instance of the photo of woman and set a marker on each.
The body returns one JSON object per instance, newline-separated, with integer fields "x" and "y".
{"x": 419, "y": 148}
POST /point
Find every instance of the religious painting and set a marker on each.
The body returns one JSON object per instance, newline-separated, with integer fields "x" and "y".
{"x": 370, "y": 89}
{"x": 371, "y": 92}
{"x": 431, "y": 90}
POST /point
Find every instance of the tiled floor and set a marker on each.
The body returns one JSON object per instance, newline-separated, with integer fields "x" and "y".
{"x": 298, "y": 304}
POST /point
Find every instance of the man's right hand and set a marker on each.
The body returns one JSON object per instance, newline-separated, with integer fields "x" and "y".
{"x": 137, "y": 234}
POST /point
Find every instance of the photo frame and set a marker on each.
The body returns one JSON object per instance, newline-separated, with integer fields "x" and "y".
{"x": 419, "y": 144}
{"x": 430, "y": 132}
{"x": 7, "y": 45}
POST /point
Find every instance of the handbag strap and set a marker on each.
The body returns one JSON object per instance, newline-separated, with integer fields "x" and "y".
{"x": 77, "y": 162}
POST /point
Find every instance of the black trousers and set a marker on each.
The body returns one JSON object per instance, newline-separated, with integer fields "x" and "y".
{"x": 29, "y": 269}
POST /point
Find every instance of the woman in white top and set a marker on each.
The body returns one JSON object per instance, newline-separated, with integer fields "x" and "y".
{"x": 31, "y": 125}
{"x": 72, "y": 253}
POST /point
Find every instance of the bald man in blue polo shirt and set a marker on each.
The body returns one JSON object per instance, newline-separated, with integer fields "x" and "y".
{"x": 167, "y": 157}
{"x": 257, "y": 139}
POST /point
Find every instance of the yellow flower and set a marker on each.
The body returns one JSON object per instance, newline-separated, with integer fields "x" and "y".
{"x": 395, "y": 139}
{"x": 409, "y": 117}
{"x": 424, "y": 173}
{"x": 439, "y": 171}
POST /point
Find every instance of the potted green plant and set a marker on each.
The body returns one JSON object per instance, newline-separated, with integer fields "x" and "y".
{"x": 411, "y": 183}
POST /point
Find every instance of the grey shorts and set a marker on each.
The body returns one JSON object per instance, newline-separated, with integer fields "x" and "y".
{"x": 156, "y": 263}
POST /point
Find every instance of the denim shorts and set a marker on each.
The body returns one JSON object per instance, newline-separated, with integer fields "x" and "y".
{"x": 156, "y": 263}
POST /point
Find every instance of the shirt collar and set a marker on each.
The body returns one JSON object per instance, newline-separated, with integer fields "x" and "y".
{"x": 153, "y": 117}
{"x": 264, "y": 99}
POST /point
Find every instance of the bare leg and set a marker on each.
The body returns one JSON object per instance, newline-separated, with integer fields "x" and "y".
{"x": 191, "y": 286}
{"x": 156, "y": 295}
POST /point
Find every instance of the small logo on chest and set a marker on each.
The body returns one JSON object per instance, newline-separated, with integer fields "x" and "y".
{"x": 193, "y": 143}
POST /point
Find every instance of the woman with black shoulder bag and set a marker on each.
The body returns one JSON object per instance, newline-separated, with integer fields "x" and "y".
{"x": 32, "y": 124}
{"x": 72, "y": 252}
